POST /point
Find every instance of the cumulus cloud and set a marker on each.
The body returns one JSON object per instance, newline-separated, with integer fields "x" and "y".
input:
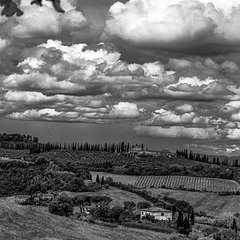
{"x": 185, "y": 108}
{"x": 179, "y": 132}
{"x": 122, "y": 110}
{"x": 3, "y": 44}
{"x": 125, "y": 110}
{"x": 41, "y": 23}
{"x": 175, "y": 24}
{"x": 190, "y": 119}
{"x": 30, "y": 97}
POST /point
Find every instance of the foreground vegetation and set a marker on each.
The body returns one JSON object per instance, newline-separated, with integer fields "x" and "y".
{"x": 28, "y": 223}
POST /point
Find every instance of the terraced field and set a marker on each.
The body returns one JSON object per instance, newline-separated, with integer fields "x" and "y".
{"x": 188, "y": 183}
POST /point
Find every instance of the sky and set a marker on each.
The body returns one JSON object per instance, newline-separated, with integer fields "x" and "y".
{"x": 162, "y": 73}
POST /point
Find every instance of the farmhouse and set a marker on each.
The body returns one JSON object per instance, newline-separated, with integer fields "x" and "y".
{"x": 158, "y": 213}
{"x": 138, "y": 151}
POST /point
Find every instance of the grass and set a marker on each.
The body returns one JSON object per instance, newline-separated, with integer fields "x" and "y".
{"x": 211, "y": 203}
{"x": 118, "y": 196}
{"x": 30, "y": 223}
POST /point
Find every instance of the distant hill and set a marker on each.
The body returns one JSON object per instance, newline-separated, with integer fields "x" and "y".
{"x": 30, "y": 223}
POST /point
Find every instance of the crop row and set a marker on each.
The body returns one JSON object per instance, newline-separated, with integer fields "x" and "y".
{"x": 188, "y": 183}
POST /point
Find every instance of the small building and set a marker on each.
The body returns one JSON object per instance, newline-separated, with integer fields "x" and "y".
{"x": 158, "y": 213}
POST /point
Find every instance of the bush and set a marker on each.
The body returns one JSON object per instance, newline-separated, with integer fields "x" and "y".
{"x": 62, "y": 205}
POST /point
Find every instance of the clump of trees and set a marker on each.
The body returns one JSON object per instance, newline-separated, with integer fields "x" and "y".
{"x": 39, "y": 175}
{"x": 62, "y": 205}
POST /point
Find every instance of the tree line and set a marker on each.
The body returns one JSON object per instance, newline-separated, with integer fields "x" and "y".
{"x": 190, "y": 155}
{"x": 27, "y": 142}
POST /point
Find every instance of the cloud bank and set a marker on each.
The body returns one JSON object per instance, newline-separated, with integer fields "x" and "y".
{"x": 189, "y": 91}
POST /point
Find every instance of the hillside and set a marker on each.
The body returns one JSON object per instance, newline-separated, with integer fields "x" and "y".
{"x": 121, "y": 163}
{"x": 28, "y": 223}
{"x": 211, "y": 203}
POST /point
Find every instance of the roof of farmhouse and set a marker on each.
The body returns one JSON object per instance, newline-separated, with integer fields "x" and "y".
{"x": 155, "y": 209}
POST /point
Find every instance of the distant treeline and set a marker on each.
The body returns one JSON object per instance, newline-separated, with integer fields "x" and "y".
{"x": 20, "y": 142}
{"x": 121, "y": 147}
{"x": 204, "y": 158}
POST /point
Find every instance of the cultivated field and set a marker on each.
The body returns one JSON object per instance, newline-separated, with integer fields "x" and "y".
{"x": 188, "y": 183}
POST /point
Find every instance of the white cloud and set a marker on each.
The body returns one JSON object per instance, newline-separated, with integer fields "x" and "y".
{"x": 174, "y": 23}
{"x": 125, "y": 110}
{"x": 30, "y": 97}
{"x": 44, "y": 22}
{"x": 76, "y": 52}
{"x": 33, "y": 23}
{"x": 179, "y": 132}
{"x": 168, "y": 117}
{"x": 36, "y": 81}
{"x": 234, "y": 134}
{"x": 35, "y": 114}
{"x": 193, "y": 82}
{"x": 186, "y": 108}
{"x": 165, "y": 116}
{"x": 73, "y": 20}
{"x": 3, "y": 44}
{"x": 122, "y": 110}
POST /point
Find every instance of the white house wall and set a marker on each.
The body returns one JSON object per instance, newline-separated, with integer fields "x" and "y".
{"x": 158, "y": 215}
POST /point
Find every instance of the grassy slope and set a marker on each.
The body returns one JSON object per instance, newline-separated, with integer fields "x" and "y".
{"x": 118, "y": 196}
{"x": 28, "y": 223}
{"x": 210, "y": 203}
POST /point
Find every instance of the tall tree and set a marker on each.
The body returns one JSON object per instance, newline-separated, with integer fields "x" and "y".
{"x": 102, "y": 181}
{"x": 192, "y": 217}
{"x": 234, "y": 225}
{"x": 97, "y": 179}
{"x": 180, "y": 219}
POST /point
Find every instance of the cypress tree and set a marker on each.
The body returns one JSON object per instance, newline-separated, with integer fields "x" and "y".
{"x": 186, "y": 224}
{"x": 234, "y": 225}
{"x": 102, "y": 181}
{"x": 192, "y": 218}
{"x": 97, "y": 179}
{"x": 180, "y": 220}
